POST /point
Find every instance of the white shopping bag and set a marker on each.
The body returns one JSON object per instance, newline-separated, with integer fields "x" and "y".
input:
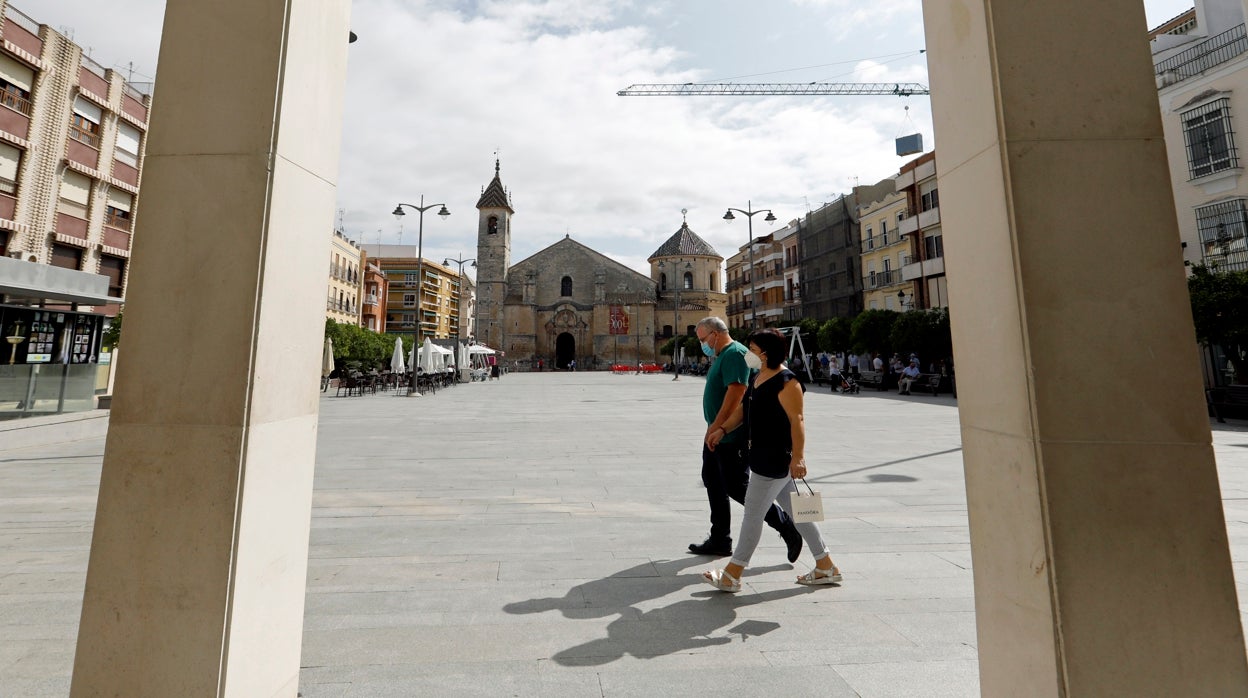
{"x": 807, "y": 508}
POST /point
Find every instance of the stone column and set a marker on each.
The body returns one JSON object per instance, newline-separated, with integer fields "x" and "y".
{"x": 1097, "y": 533}
{"x": 198, "y": 563}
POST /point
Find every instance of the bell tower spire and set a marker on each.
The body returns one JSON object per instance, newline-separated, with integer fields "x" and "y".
{"x": 493, "y": 258}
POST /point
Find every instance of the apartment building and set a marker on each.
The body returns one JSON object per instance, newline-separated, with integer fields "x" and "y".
{"x": 375, "y": 289}
{"x": 345, "y": 261}
{"x": 1200, "y": 59}
{"x": 884, "y": 252}
{"x": 924, "y": 266}
{"x": 428, "y": 307}
{"x": 72, "y": 134}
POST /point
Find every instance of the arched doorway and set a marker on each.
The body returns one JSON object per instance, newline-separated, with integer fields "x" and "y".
{"x": 565, "y": 349}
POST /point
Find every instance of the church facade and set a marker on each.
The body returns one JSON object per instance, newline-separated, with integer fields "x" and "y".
{"x": 569, "y": 302}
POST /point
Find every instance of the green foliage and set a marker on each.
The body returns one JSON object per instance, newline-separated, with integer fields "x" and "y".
{"x": 738, "y": 333}
{"x": 112, "y": 336}
{"x": 836, "y": 334}
{"x": 363, "y": 348}
{"x": 1220, "y": 313}
{"x": 925, "y": 332}
{"x": 871, "y": 329}
{"x": 668, "y": 346}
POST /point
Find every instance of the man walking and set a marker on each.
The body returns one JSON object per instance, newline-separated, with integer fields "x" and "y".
{"x": 724, "y": 470}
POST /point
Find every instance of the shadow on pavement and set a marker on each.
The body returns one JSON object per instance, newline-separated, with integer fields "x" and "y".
{"x": 677, "y": 627}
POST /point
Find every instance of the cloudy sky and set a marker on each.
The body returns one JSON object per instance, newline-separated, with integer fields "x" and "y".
{"x": 436, "y": 87}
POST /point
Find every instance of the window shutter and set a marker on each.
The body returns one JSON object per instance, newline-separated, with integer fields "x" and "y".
{"x": 9, "y": 158}
{"x": 76, "y": 187}
{"x": 120, "y": 200}
{"x": 88, "y": 111}
{"x": 16, "y": 73}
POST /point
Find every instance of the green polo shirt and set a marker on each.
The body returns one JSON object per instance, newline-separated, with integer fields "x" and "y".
{"x": 729, "y": 367}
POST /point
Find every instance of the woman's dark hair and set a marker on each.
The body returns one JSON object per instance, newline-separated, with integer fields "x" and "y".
{"x": 771, "y": 343}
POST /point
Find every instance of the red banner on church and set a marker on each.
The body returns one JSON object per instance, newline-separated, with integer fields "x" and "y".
{"x": 619, "y": 320}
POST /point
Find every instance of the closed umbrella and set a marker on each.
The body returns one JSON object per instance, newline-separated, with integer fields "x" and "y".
{"x": 396, "y": 360}
{"x": 327, "y": 359}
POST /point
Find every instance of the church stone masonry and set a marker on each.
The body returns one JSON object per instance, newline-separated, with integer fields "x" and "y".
{"x": 568, "y": 301}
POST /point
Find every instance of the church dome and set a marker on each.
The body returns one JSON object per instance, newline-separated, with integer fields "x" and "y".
{"x": 683, "y": 244}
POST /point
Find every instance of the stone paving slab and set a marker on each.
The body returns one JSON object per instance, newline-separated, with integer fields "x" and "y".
{"x": 527, "y": 537}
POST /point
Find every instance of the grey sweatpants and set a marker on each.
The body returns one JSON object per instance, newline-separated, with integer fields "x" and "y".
{"x": 761, "y": 492}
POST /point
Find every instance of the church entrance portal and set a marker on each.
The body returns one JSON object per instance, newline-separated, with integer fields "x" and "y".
{"x": 565, "y": 349}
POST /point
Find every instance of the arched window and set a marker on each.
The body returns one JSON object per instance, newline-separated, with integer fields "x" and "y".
{"x": 663, "y": 282}
{"x": 491, "y": 225}
{"x": 566, "y": 289}
{"x": 688, "y": 281}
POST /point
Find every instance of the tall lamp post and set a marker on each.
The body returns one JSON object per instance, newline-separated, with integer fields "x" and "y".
{"x": 420, "y": 259}
{"x": 459, "y": 305}
{"x": 749, "y": 214}
{"x": 677, "y": 335}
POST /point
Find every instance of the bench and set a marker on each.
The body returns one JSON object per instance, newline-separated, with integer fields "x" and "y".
{"x": 1231, "y": 401}
{"x": 933, "y": 383}
{"x": 875, "y": 378}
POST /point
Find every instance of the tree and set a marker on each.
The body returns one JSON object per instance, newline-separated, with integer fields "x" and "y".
{"x": 112, "y": 336}
{"x": 925, "y": 332}
{"x": 361, "y": 347}
{"x": 1220, "y": 313}
{"x": 835, "y": 334}
{"x": 871, "y": 329}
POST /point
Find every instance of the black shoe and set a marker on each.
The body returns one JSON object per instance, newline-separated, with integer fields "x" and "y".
{"x": 793, "y": 540}
{"x": 717, "y": 548}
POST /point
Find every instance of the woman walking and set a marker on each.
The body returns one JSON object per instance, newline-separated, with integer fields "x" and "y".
{"x": 775, "y": 442}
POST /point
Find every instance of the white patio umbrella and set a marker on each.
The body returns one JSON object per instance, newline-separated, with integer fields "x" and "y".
{"x": 397, "y": 364}
{"x": 426, "y": 356}
{"x": 327, "y": 358}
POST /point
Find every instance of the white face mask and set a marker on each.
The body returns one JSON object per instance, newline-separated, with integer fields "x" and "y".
{"x": 753, "y": 361}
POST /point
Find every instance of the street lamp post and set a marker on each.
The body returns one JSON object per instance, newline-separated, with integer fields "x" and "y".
{"x": 420, "y": 247}
{"x": 901, "y": 299}
{"x": 676, "y": 334}
{"x": 749, "y": 214}
{"x": 459, "y": 305}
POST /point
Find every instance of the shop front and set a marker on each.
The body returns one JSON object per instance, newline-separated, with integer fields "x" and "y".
{"x": 51, "y": 360}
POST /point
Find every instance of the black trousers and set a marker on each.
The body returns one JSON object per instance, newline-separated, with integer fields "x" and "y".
{"x": 726, "y": 475}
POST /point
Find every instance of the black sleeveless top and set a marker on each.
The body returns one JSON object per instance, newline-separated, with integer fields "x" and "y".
{"x": 769, "y": 438}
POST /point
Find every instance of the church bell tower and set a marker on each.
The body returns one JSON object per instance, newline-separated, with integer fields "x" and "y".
{"x": 493, "y": 260}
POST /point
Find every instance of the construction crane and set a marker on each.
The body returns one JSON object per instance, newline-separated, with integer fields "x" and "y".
{"x": 898, "y": 89}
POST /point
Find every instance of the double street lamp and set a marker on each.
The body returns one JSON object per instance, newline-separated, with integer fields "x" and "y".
{"x": 459, "y": 305}
{"x": 749, "y": 214}
{"x": 677, "y": 335}
{"x": 420, "y": 259}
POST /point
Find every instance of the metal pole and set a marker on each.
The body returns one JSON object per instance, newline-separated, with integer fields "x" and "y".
{"x": 676, "y": 328}
{"x": 420, "y": 271}
{"x": 753, "y": 285}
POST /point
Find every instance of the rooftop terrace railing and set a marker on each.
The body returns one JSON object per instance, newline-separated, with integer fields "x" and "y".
{"x": 1201, "y": 57}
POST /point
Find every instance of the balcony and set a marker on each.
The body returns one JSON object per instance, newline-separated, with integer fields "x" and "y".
{"x": 91, "y": 77}
{"x": 116, "y": 238}
{"x": 930, "y": 217}
{"x": 907, "y": 225}
{"x": 1201, "y": 57}
{"x": 370, "y": 299}
{"x": 8, "y": 206}
{"x": 929, "y": 267}
{"x": 126, "y": 173}
{"x": 83, "y": 147}
{"x": 116, "y": 220}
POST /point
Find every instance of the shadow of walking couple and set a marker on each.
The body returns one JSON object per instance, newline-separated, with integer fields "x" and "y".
{"x": 684, "y": 625}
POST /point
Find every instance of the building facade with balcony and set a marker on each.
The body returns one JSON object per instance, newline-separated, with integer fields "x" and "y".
{"x": 72, "y": 135}
{"x": 924, "y": 268}
{"x": 831, "y": 285}
{"x": 71, "y": 145}
{"x": 884, "y": 252}
{"x": 428, "y": 309}
{"x": 1200, "y": 60}
{"x": 346, "y": 259}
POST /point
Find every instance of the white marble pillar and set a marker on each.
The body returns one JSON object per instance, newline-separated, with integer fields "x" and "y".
{"x": 1097, "y": 533}
{"x": 198, "y": 563}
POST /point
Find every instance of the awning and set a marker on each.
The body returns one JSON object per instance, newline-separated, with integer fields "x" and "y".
{"x": 36, "y": 281}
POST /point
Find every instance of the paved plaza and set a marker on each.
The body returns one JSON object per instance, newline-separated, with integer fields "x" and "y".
{"x": 526, "y": 537}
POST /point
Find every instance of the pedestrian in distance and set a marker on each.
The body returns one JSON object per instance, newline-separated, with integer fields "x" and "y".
{"x": 724, "y": 471}
{"x": 775, "y": 433}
